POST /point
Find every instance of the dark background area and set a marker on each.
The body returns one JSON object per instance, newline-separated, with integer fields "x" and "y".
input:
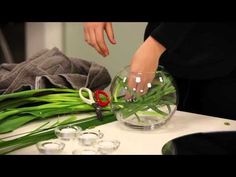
{"x": 14, "y": 34}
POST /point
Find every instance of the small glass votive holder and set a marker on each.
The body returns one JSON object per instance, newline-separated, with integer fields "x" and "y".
{"x": 67, "y": 132}
{"x": 89, "y": 137}
{"x": 85, "y": 151}
{"x": 50, "y": 147}
{"x": 107, "y": 146}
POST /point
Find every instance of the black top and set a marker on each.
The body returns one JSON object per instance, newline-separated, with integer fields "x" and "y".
{"x": 196, "y": 50}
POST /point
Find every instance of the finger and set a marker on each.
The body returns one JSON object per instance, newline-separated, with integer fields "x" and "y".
{"x": 132, "y": 87}
{"x": 110, "y": 33}
{"x": 101, "y": 42}
{"x": 146, "y": 80}
{"x": 140, "y": 83}
{"x": 93, "y": 41}
{"x": 142, "y": 87}
{"x": 86, "y": 36}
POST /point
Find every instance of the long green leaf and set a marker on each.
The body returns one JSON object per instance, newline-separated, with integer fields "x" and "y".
{"x": 18, "y": 120}
{"x": 14, "y": 123}
{"x": 29, "y": 93}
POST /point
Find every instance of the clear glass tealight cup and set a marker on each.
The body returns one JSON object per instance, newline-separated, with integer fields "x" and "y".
{"x": 89, "y": 137}
{"x": 106, "y": 147}
{"x": 85, "y": 151}
{"x": 50, "y": 147}
{"x": 68, "y": 134}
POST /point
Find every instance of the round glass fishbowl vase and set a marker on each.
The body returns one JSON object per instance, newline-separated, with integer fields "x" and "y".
{"x": 143, "y": 100}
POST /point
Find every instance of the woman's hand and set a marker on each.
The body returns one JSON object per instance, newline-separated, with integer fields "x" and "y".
{"x": 94, "y": 36}
{"x": 144, "y": 64}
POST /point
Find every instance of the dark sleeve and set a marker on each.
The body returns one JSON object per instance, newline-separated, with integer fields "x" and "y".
{"x": 171, "y": 34}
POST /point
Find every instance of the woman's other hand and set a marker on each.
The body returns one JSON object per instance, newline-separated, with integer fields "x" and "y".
{"x": 94, "y": 36}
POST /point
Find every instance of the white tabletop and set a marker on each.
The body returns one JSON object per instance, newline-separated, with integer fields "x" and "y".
{"x": 148, "y": 142}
